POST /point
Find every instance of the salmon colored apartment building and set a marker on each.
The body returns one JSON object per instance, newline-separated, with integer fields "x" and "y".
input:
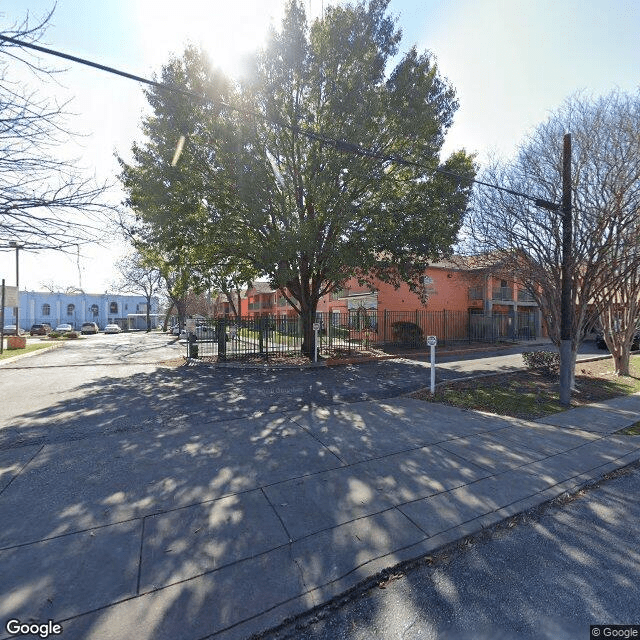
{"x": 457, "y": 288}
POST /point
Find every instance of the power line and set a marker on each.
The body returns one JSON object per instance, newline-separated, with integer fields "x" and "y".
{"x": 342, "y": 145}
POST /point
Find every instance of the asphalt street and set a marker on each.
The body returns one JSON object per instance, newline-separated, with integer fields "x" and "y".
{"x": 116, "y": 383}
{"x": 555, "y": 573}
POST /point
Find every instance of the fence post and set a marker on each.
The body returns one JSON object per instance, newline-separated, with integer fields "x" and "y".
{"x": 384, "y": 330}
{"x": 222, "y": 340}
{"x": 444, "y": 323}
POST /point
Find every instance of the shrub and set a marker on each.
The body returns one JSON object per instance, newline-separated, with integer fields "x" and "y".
{"x": 547, "y": 362}
{"x": 54, "y": 334}
{"x": 407, "y": 332}
{"x": 71, "y": 334}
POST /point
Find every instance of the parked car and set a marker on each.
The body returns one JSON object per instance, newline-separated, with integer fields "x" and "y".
{"x": 601, "y": 344}
{"x": 40, "y": 329}
{"x": 10, "y": 330}
{"x": 112, "y": 328}
{"x": 203, "y": 332}
{"x": 89, "y": 327}
{"x": 63, "y": 328}
{"x": 175, "y": 330}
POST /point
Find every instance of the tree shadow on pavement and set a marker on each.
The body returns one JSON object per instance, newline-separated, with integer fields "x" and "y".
{"x": 552, "y": 575}
{"x": 153, "y": 488}
{"x": 183, "y": 502}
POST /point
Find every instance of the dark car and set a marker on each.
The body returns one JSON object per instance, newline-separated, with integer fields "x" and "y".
{"x": 601, "y": 344}
{"x": 10, "y": 330}
{"x": 40, "y": 329}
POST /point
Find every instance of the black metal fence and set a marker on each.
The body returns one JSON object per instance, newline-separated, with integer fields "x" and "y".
{"x": 361, "y": 330}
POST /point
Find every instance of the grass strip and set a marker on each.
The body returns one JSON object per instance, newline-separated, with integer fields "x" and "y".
{"x": 10, "y": 353}
{"x": 532, "y": 395}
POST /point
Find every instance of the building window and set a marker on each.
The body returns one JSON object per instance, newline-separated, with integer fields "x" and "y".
{"x": 70, "y": 309}
{"x": 94, "y": 310}
{"x": 113, "y": 307}
{"x": 46, "y": 310}
{"x": 126, "y": 307}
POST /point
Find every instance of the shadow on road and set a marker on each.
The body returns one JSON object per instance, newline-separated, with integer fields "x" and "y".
{"x": 154, "y": 492}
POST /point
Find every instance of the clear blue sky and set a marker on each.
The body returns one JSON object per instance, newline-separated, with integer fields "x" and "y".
{"x": 511, "y": 62}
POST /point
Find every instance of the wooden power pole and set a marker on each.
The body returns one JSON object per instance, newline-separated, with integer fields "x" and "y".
{"x": 566, "y": 304}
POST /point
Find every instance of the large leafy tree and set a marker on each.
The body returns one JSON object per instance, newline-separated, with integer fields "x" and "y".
{"x": 326, "y": 167}
{"x": 170, "y": 183}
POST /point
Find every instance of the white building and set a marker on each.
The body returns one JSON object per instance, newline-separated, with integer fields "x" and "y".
{"x": 128, "y": 311}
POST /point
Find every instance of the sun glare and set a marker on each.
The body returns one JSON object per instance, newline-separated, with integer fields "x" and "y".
{"x": 227, "y": 30}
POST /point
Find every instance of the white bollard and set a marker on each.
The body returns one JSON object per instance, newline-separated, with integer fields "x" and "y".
{"x": 432, "y": 341}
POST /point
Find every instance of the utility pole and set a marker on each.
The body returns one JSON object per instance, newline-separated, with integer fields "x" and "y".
{"x": 2, "y": 319}
{"x": 14, "y": 244}
{"x": 566, "y": 303}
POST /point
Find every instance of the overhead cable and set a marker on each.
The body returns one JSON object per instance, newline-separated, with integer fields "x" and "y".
{"x": 341, "y": 145}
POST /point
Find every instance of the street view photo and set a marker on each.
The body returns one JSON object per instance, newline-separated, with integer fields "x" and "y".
{"x": 319, "y": 320}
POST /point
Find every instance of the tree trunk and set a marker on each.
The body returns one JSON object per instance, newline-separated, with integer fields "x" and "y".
{"x": 181, "y": 307}
{"x": 148, "y": 314}
{"x": 574, "y": 357}
{"x": 165, "y": 324}
{"x": 621, "y": 361}
{"x": 308, "y": 316}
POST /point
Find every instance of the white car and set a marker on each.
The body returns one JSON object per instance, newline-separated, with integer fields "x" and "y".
{"x": 112, "y": 328}
{"x": 63, "y": 328}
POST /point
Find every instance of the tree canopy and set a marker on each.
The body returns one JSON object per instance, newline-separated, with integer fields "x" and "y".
{"x": 319, "y": 166}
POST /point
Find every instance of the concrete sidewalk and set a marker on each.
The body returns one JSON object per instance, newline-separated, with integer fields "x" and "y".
{"x": 199, "y": 529}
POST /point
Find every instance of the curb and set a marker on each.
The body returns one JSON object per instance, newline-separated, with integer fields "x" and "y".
{"x": 19, "y": 356}
{"x": 448, "y": 545}
{"x": 337, "y": 362}
{"x": 255, "y": 367}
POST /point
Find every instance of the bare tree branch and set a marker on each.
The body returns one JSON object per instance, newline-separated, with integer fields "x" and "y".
{"x": 606, "y": 197}
{"x": 44, "y": 200}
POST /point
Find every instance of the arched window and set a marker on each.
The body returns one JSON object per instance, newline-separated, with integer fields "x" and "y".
{"x": 94, "y": 310}
{"x": 70, "y": 309}
{"x": 46, "y": 310}
{"x": 113, "y": 307}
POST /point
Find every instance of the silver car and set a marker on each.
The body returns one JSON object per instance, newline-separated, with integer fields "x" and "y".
{"x": 112, "y": 328}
